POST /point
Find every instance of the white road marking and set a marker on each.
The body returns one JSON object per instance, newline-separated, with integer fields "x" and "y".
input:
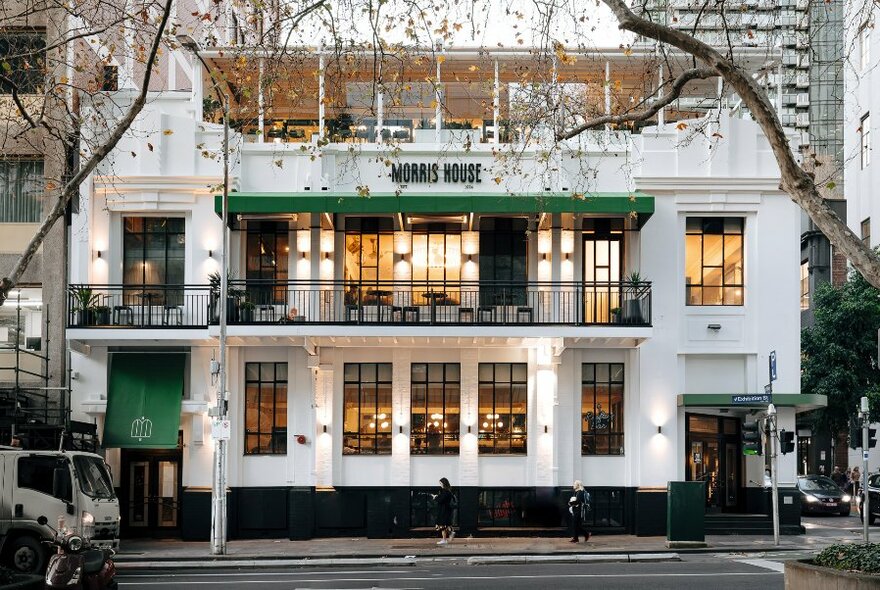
{"x": 764, "y": 563}
{"x": 465, "y": 578}
{"x": 231, "y": 574}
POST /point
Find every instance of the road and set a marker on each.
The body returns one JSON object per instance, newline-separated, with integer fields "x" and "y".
{"x": 705, "y": 571}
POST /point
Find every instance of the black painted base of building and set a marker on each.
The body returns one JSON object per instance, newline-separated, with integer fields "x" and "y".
{"x": 304, "y": 513}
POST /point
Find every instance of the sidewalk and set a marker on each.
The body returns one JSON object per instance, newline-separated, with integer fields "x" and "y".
{"x": 139, "y": 550}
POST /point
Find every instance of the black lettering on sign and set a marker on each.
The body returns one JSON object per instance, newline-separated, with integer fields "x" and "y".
{"x": 431, "y": 172}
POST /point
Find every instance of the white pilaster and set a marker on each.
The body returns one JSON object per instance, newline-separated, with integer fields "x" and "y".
{"x": 400, "y": 411}
{"x": 323, "y": 387}
{"x": 468, "y": 466}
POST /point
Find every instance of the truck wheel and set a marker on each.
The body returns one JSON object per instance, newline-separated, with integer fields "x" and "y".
{"x": 26, "y": 555}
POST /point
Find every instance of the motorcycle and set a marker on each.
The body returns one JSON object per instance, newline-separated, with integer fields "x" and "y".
{"x": 77, "y": 566}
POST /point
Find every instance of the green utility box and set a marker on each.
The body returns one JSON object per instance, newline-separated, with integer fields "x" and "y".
{"x": 685, "y": 514}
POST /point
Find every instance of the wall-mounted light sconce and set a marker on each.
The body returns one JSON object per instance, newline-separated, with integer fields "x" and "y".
{"x": 325, "y": 429}
{"x": 326, "y": 255}
{"x": 400, "y": 429}
{"x": 470, "y": 257}
{"x": 546, "y": 430}
{"x": 568, "y": 255}
{"x": 544, "y": 256}
{"x": 302, "y": 255}
{"x": 210, "y": 254}
{"x": 469, "y": 428}
{"x": 714, "y": 327}
{"x": 98, "y": 253}
{"x": 659, "y": 430}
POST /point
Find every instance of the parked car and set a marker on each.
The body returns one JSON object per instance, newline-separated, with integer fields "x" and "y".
{"x": 874, "y": 490}
{"x": 820, "y": 495}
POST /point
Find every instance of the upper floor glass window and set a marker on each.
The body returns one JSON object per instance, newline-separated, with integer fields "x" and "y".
{"x": 865, "y": 134}
{"x": 153, "y": 250}
{"x": 369, "y": 259}
{"x": 602, "y": 409}
{"x": 805, "y": 284}
{"x": 24, "y": 52}
{"x": 714, "y": 261}
{"x": 865, "y": 46}
{"x": 265, "y": 409}
{"x": 267, "y": 253}
{"x": 866, "y": 231}
{"x": 503, "y": 404}
{"x": 366, "y": 408}
{"x": 436, "y": 408}
{"x": 21, "y": 189}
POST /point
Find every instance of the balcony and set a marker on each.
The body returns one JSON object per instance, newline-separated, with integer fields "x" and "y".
{"x": 393, "y": 303}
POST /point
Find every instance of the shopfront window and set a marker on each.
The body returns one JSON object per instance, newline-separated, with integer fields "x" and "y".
{"x": 436, "y": 263}
{"x": 436, "y": 407}
{"x": 267, "y": 254}
{"x": 602, "y": 409}
{"x": 369, "y": 260}
{"x": 502, "y": 405}
{"x": 714, "y": 261}
{"x": 367, "y": 409}
{"x": 503, "y": 261}
{"x": 154, "y": 253}
{"x": 265, "y": 409}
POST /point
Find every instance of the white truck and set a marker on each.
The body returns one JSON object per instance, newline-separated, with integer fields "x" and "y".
{"x": 69, "y": 485}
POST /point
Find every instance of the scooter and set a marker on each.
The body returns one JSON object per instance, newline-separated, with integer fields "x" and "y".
{"x": 75, "y": 565}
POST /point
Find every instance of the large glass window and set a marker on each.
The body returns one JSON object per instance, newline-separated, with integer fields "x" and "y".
{"x": 436, "y": 406}
{"x": 503, "y": 261}
{"x": 436, "y": 262}
{"x": 268, "y": 249}
{"x": 865, "y": 229}
{"x": 369, "y": 259}
{"x": 503, "y": 405}
{"x": 805, "y": 284}
{"x": 366, "y": 409}
{"x": 265, "y": 409}
{"x": 154, "y": 251}
{"x": 865, "y": 46}
{"x": 602, "y": 409}
{"x": 714, "y": 261}
{"x": 865, "y": 133}
{"x": 24, "y": 54}
{"x": 21, "y": 189}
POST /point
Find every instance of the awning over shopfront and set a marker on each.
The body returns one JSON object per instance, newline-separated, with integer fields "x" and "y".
{"x": 802, "y": 402}
{"x": 497, "y": 203}
{"x": 143, "y": 400}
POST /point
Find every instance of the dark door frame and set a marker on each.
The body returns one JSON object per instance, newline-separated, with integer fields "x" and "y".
{"x": 152, "y": 457}
{"x": 723, "y": 440}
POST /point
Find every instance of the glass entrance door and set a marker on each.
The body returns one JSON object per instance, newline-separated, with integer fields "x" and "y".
{"x": 603, "y": 262}
{"x": 151, "y": 490}
{"x": 713, "y": 456}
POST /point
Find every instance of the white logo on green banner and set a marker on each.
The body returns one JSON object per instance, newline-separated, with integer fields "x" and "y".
{"x": 141, "y": 428}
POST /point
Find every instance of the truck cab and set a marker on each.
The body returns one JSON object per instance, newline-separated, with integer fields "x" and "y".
{"x": 73, "y": 489}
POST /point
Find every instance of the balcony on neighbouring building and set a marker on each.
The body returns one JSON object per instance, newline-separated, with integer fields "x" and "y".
{"x": 400, "y": 303}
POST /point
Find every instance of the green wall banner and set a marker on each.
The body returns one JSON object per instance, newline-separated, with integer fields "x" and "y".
{"x": 143, "y": 400}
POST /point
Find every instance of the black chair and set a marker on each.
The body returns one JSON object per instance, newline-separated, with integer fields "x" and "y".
{"x": 172, "y": 312}
{"x": 486, "y": 313}
{"x": 266, "y": 313}
{"x": 351, "y": 312}
{"x": 465, "y": 315}
{"x": 411, "y": 314}
{"x": 524, "y": 312}
{"x": 120, "y": 312}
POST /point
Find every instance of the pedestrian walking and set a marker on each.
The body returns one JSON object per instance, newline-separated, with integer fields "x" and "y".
{"x": 838, "y": 477}
{"x": 855, "y": 481}
{"x": 577, "y": 507}
{"x": 445, "y": 504}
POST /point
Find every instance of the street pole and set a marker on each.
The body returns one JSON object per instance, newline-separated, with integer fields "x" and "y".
{"x": 774, "y": 478}
{"x": 218, "y": 490}
{"x": 866, "y": 501}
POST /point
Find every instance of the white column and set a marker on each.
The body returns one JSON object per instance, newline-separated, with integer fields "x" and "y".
{"x": 323, "y": 402}
{"x": 546, "y": 391}
{"x": 261, "y": 111}
{"x": 607, "y": 92}
{"x": 555, "y": 296}
{"x": 400, "y": 412}
{"x": 468, "y": 459}
{"x": 496, "y": 104}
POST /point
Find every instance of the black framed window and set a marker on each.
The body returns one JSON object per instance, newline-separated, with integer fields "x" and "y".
{"x": 503, "y": 405}
{"x": 25, "y": 54}
{"x": 506, "y": 507}
{"x": 154, "y": 253}
{"x": 366, "y": 409}
{"x": 267, "y": 253}
{"x": 265, "y": 409}
{"x": 714, "y": 261}
{"x": 436, "y": 408}
{"x": 423, "y": 508}
{"x": 503, "y": 260}
{"x": 602, "y": 409}
{"x": 369, "y": 259}
{"x": 21, "y": 190}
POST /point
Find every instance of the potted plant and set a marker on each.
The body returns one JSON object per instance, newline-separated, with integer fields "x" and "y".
{"x": 232, "y": 296}
{"x": 631, "y": 292}
{"x": 102, "y": 315}
{"x": 84, "y": 302}
{"x": 615, "y": 315}
{"x": 246, "y": 310}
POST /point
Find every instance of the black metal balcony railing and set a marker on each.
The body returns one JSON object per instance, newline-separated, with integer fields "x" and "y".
{"x": 381, "y": 303}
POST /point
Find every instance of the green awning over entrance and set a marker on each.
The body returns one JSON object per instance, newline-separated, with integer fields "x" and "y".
{"x": 143, "y": 400}
{"x": 800, "y": 401}
{"x": 333, "y": 202}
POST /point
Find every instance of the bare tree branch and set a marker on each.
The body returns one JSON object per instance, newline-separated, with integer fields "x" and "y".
{"x": 675, "y": 91}
{"x": 794, "y": 179}
{"x": 71, "y": 187}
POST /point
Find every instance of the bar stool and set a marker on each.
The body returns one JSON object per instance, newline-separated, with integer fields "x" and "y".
{"x": 264, "y": 312}
{"x": 486, "y": 313}
{"x": 524, "y": 312}
{"x": 465, "y": 314}
{"x": 172, "y": 312}
{"x": 120, "y": 312}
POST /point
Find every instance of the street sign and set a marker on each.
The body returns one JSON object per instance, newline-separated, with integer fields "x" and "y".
{"x": 221, "y": 429}
{"x": 772, "y": 366}
{"x": 751, "y": 399}
{"x": 864, "y": 455}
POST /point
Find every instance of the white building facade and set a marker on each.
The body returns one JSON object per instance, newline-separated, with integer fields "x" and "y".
{"x": 400, "y": 315}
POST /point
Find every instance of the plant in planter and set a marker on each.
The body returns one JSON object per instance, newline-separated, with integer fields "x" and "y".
{"x": 632, "y": 292}
{"x": 615, "y": 315}
{"x": 85, "y": 301}
{"x": 232, "y": 298}
{"x": 246, "y": 310}
{"x": 102, "y": 315}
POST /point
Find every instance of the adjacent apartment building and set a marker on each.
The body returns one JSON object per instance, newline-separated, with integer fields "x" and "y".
{"x": 421, "y": 288}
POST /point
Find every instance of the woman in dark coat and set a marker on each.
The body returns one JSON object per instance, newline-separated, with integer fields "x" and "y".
{"x": 445, "y": 500}
{"x": 575, "y": 507}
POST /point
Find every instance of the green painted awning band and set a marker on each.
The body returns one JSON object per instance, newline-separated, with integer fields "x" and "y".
{"x": 143, "y": 400}
{"x": 601, "y": 203}
{"x": 800, "y": 401}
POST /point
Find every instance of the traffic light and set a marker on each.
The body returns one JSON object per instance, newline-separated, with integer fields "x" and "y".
{"x": 855, "y": 434}
{"x": 751, "y": 438}
{"x": 786, "y": 442}
{"x": 872, "y": 438}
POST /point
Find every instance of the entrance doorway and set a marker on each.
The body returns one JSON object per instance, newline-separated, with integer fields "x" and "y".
{"x": 603, "y": 269}
{"x": 151, "y": 490}
{"x": 713, "y": 456}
